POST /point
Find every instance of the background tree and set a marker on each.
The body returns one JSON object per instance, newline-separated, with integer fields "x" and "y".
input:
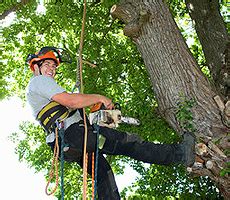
{"x": 168, "y": 85}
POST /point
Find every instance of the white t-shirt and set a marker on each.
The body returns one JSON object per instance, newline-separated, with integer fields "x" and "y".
{"x": 40, "y": 91}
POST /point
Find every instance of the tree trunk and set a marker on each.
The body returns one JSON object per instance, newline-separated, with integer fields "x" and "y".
{"x": 177, "y": 78}
{"x": 214, "y": 39}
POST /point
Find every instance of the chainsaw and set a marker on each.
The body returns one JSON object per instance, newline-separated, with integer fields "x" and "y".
{"x": 109, "y": 118}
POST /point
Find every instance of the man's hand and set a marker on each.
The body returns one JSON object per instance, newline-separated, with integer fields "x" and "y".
{"x": 107, "y": 103}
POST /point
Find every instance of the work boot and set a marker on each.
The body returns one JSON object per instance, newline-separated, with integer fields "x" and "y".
{"x": 188, "y": 146}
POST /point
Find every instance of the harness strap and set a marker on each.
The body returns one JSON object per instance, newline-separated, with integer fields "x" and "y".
{"x": 57, "y": 115}
{"x": 61, "y": 134}
{"x": 49, "y": 108}
{"x": 82, "y": 116}
{"x": 52, "y": 112}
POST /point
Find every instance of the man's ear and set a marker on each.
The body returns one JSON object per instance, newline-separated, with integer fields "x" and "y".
{"x": 36, "y": 70}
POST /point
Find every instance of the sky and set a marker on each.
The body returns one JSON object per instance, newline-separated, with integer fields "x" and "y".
{"x": 17, "y": 180}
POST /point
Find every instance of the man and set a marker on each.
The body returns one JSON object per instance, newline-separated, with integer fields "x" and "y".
{"x": 42, "y": 89}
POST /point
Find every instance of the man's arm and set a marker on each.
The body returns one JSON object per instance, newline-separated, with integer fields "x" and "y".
{"x": 81, "y": 100}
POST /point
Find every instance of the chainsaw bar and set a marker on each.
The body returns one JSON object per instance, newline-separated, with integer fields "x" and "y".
{"x": 130, "y": 120}
{"x": 111, "y": 118}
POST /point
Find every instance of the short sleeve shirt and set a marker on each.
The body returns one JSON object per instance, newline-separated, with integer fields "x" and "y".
{"x": 40, "y": 91}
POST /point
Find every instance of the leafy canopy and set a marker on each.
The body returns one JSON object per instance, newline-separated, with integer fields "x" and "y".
{"x": 120, "y": 74}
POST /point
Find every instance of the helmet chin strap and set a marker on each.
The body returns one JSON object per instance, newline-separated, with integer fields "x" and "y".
{"x": 37, "y": 70}
{"x": 39, "y": 67}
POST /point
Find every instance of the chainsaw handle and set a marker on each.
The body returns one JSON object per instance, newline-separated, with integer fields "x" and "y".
{"x": 101, "y": 106}
{"x": 97, "y": 106}
{"x": 117, "y": 106}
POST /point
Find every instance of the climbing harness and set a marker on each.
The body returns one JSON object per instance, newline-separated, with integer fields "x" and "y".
{"x": 51, "y": 118}
{"x": 50, "y": 113}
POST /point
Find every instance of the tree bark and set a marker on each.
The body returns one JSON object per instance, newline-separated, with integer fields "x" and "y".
{"x": 175, "y": 75}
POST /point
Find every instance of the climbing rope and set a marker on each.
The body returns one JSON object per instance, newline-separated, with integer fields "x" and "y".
{"x": 85, "y": 155}
{"x": 93, "y": 177}
{"x": 54, "y": 166}
{"x": 79, "y": 76}
{"x": 80, "y": 60}
{"x": 79, "y": 84}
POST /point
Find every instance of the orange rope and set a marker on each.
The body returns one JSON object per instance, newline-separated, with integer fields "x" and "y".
{"x": 85, "y": 175}
{"x": 85, "y": 159}
{"x": 81, "y": 44}
{"x": 93, "y": 176}
{"x": 85, "y": 156}
{"x": 54, "y": 165}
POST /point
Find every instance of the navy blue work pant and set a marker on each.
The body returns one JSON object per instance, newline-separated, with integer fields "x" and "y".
{"x": 116, "y": 143}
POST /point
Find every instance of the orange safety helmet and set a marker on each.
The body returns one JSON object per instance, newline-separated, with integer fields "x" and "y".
{"x": 46, "y": 56}
{"x": 58, "y": 55}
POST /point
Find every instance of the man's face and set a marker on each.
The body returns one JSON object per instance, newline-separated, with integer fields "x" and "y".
{"x": 48, "y": 68}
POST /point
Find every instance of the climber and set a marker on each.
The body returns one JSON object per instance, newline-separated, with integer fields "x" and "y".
{"x": 43, "y": 89}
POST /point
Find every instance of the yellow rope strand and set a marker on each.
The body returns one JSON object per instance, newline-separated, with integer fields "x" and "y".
{"x": 56, "y": 148}
{"x": 81, "y": 44}
{"x": 54, "y": 165}
{"x": 85, "y": 156}
{"x": 93, "y": 176}
{"x": 85, "y": 159}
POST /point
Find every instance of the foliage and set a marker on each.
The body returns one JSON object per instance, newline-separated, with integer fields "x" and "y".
{"x": 33, "y": 150}
{"x": 184, "y": 113}
{"x": 181, "y": 185}
{"x": 7, "y": 5}
{"x": 120, "y": 74}
{"x": 225, "y": 171}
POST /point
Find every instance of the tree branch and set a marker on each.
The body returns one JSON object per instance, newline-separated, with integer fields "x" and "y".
{"x": 133, "y": 22}
{"x": 224, "y": 110}
{"x": 13, "y": 8}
